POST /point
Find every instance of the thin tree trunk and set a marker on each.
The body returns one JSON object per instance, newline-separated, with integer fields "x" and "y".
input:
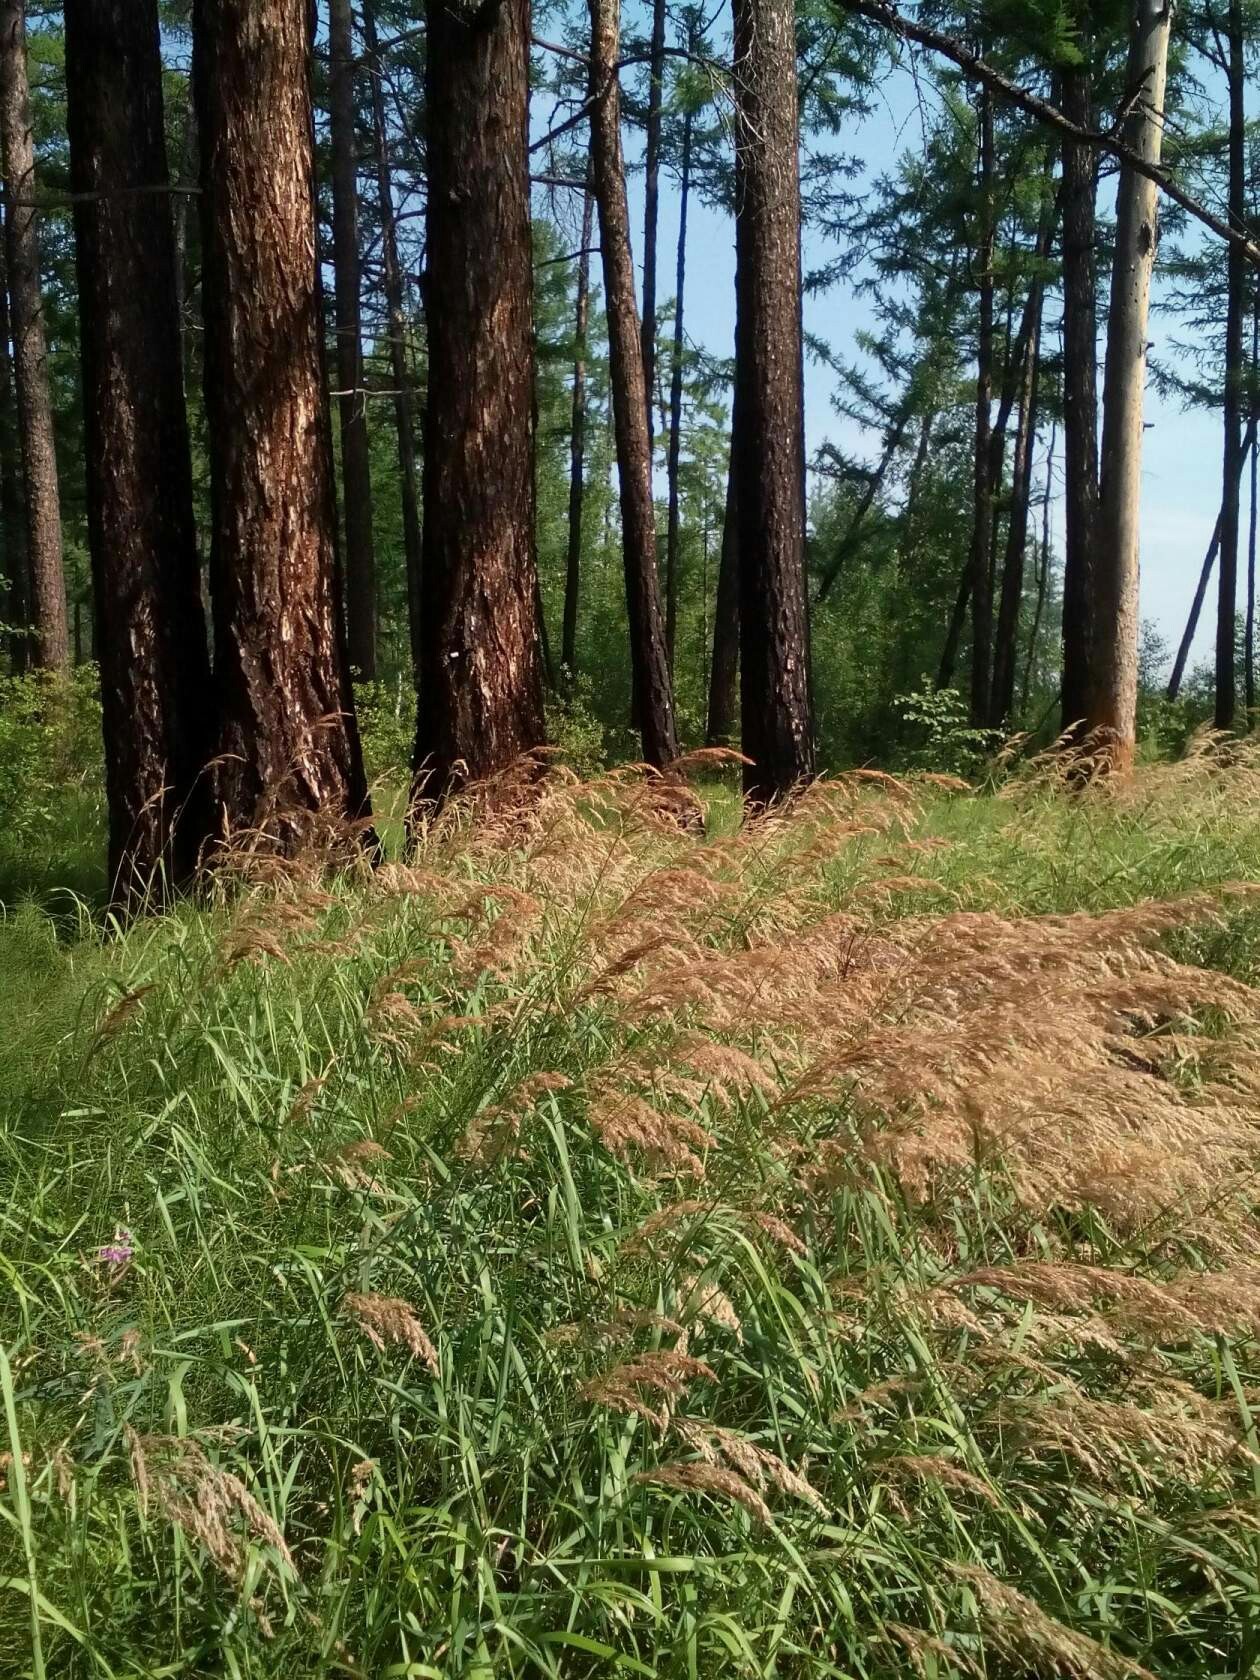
{"x": 577, "y": 444}
{"x": 181, "y": 205}
{"x": 1111, "y": 715}
{"x": 649, "y": 656}
{"x": 1006, "y": 647}
{"x": 481, "y": 679}
{"x": 400, "y": 372}
{"x": 356, "y": 465}
{"x": 651, "y": 207}
{"x": 982, "y": 526}
{"x": 724, "y": 671}
{"x": 849, "y": 541}
{"x": 1249, "y": 667}
{"x": 954, "y": 631}
{"x": 675, "y": 401}
{"x": 1043, "y": 570}
{"x": 768, "y": 438}
{"x": 155, "y": 666}
{"x": 288, "y": 739}
{"x": 1205, "y": 577}
{"x": 50, "y": 645}
{"x": 1080, "y": 387}
{"x": 1235, "y": 359}
{"x": 12, "y": 512}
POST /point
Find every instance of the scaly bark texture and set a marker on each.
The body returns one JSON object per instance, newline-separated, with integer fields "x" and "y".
{"x": 356, "y": 467}
{"x": 481, "y": 691}
{"x": 577, "y": 444}
{"x": 1111, "y": 709}
{"x": 1235, "y": 378}
{"x": 768, "y": 434}
{"x": 395, "y": 295}
{"x": 151, "y": 631}
{"x": 12, "y": 511}
{"x": 1080, "y": 384}
{"x": 649, "y": 657}
{"x": 288, "y": 741}
{"x": 49, "y": 647}
{"x": 651, "y": 206}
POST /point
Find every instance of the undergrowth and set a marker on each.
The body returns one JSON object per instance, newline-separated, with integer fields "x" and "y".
{"x": 826, "y": 1247}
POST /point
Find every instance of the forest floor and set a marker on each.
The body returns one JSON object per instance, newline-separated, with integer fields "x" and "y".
{"x": 823, "y": 1248}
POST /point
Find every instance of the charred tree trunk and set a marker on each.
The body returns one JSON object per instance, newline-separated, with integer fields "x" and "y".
{"x": 50, "y": 643}
{"x": 768, "y": 440}
{"x": 1111, "y": 712}
{"x": 288, "y": 740}
{"x": 12, "y": 511}
{"x": 1235, "y": 379}
{"x": 356, "y": 466}
{"x": 982, "y": 526}
{"x": 577, "y": 444}
{"x": 675, "y": 402}
{"x": 1080, "y": 387}
{"x": 649, "y": 657}
{"x": 481, "y": 687}
{"x": 724, "y": 671}
{"x": 400, "y": 372}
{"x": 1006, "y": 646}
{"x": 155, "y": 666}
{"x": 651, "y": 207}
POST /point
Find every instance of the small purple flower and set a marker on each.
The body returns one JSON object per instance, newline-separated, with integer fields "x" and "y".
{"x": 119, "y": 1252}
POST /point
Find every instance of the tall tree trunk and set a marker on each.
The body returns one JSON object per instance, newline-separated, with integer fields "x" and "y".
{"x": 155, "y": 666}
{"x": 481, "y": 685}
{"x": 1235, "y": 374}
{"x": 50, "y": 644}
{"x": 675, "y": 401}
{"x": 649, "y": 657}
{"x": 651, "y": 207}
{"x": 400, "y": 372}
{"x": 288, "y": 740}
{"x": 1043, "y": 569}
{"x": 982, "y": 524}
{"x": 1006, "y": 646}
{"x": 356, "y": 465}
{"x": 577, "y": 444}
{"x": 181, "y": 205}
{"x": 849, "y": 542}
{"x": 1080, "y": 385}
{"x": 768, "y": 437}
{"x": 1111, "y": 713}
{"x": 1205, "y": 577}
{"x": 12, "y": 511}
{"x": 954, "y": 630}
{"x": 724, "y": 671}
{"x": 1249, "y": 661}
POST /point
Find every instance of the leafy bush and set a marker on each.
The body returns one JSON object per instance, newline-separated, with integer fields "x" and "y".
{"x": 50, "y": 740}
{"x": 943, "y": 738}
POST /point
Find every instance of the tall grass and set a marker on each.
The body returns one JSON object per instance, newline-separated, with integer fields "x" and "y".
{"x": 593, "y": 1247}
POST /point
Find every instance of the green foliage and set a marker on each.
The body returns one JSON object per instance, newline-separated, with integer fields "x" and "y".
{"x": 941, "y": 734}
{"x": 575, "y": 732}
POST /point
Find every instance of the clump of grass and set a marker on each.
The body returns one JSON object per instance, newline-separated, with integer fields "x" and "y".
{"x": 823, "y": 1247}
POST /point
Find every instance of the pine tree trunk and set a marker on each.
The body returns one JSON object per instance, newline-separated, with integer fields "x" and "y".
{"x": 954, "y": 631}
{"x": 724, "y": 671}
{"x": 1111, "y": 713}
{"x": 649, "y": 657}
{"x": 1249, "y": 652}
{"x": 155, "y": 667}
{"x": 1043, "y": 569}
{"x": 982, "y": 525}
{"x": 288, "y": 741}
{"x": 1080, "y": 389}
{"x": 651, "y": 207}
{"x": 50, "y": 644}
{"x": 577, "y": 445}
{"x": 400, "y": 372}
{"x": 1205, "y": 577}
{"x": 768, "y": 438}
{"x": 481, "y": 691}
{"x": 675, "y": 403}
{"x": 1006, "y": 645}
{"x": 1235, "y": 379}
{"x": 356, "y": 465}
{"x": 12, "y": 512}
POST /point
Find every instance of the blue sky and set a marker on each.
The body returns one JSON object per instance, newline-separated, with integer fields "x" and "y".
{"x": 1181, "y": 464}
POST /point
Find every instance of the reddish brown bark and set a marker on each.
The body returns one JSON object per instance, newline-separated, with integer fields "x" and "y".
{"x": 481, "y": 692}
{"x": 288, "y": 740}
{"x": 151, "y": 632}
